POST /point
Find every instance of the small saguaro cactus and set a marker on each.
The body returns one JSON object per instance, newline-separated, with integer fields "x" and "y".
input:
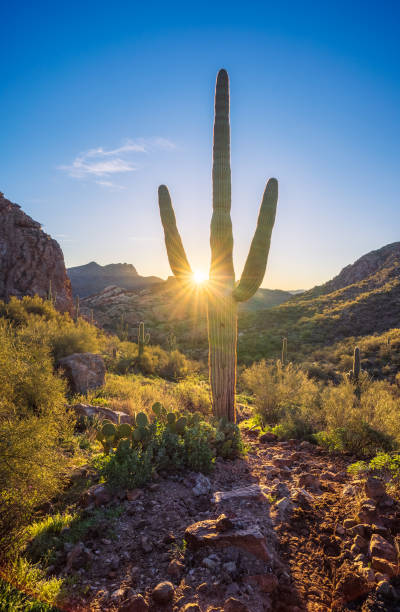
{"x": 142, "y": 339}
{"x": 284, "y": 351}
{"x": 354, "y": 374}
{"x": 223, "y": 294}
{"x": 77, "y": 309}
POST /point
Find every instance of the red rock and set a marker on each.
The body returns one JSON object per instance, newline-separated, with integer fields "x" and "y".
{"x": 309, "y": 481}
{"x": 163, "y": 593}
{"x": 83, "y": 371}
{"x": 384, "y": 566}
{"x": 352, "y": 586}
{"x": 30, "y": 259}
{"x": 267, "y": 438}
{"x": 234, "y": 605}
{"x": 375, "y": 488}
{"x": 97, "y": 495}
{"x": 175, "y": 568}
{"x": 379, "y": 547}
{"x": 205, "y": 533}
{"x": 136, "y": 603}
{"x": 266, "y": 582}
{"x": 134, "y": 494}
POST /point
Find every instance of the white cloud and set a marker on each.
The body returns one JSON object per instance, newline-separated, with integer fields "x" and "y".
{"x": 100, "y": 162}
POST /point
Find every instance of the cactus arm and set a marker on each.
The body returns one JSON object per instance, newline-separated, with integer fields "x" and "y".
{"x": 221, "y": 238}
{"x": 176, "y": 253}
{"x": 256, "y": 263}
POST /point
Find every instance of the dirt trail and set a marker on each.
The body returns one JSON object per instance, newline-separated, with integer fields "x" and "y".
{"x": 297, "y": 535}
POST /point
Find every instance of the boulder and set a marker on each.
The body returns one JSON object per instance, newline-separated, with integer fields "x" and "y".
{"x": 268, "y": 438}
{"x": 234, "y": 605}
{"x": 206, "y": 533}
{"x": 101, "y": 412}
{"x": 31, "y": 262}
{"x": 384, "y": 566}
{"x": 83, "y": 371}
{"x": 266, "y": 582}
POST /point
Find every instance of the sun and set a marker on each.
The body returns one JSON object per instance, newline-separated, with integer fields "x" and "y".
{"x": 199, "y": 277}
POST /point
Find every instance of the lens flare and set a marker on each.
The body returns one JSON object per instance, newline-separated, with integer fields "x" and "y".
{"x": 199, "y": 277}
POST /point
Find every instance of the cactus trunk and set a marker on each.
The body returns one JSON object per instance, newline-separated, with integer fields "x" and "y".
{"x": 223, "y": 293}
{"x": 222, "y": 341}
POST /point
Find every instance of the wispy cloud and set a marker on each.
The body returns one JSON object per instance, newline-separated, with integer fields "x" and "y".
{"x": 102, "y": 163}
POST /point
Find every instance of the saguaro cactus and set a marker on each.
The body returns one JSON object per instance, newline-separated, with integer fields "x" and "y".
{"x": 284, "y": 351}
{"x": 142, "y": 339}
{"x": 222, "y": 291}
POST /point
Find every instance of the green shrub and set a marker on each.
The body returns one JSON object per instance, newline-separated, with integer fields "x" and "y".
{"x": 359, "y": 438}
{"x": 33, "y": 425}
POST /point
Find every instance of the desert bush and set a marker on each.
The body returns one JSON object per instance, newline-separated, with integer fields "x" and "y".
{"x": 33, "y": 424}
{"x": 193, "y": 395}
{"x": 282, "y": 391}
{"x": 155, "y": 361}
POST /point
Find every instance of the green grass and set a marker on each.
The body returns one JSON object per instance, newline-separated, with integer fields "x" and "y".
{"x": 27, "y": 588}
{"x": 13, "y": 600}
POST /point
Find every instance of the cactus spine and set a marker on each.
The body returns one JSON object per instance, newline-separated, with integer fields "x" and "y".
{"x": 284, "y": 351}
{"x": 142, "y": 339}
{"x": 223, "y": 293}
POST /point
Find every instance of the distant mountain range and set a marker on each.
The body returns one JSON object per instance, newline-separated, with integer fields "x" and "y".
{"x": 93, "y": 278}
{"x": 364, "y": 299}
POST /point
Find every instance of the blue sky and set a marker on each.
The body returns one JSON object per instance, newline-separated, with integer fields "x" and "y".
{"x": 100, "y": 102}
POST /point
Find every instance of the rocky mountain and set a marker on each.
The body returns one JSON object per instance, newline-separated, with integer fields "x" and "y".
{"x": 30, "y": 260}
{"x": 363, "y": 299}
{"x": 93, "y": 278}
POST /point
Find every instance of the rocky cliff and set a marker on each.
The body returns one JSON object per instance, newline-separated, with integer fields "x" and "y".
{"x": 30, "y": 260}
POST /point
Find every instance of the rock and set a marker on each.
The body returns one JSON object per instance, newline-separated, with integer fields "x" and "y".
{"x": 98, "y": 495}
{"x": 280, "y": 490}
{"x": 30, "y": 260}
{"x": 251, "y": 493}
{"x": 375, "y": 488}
{"x": 309, "y": 481}
{"x": 223, "y": 523}
{"x": 349, "y": 490}
{"x": 229, "y": 567}
{"x": 250, "y": 539}
{"x": 352, "y": 586}
{"x": 86, "y": 410}
{"x": 137, "y": 603}
{"x": 146, "y": 544}
{"x": 134, "y": 494}
{"x": 268, "y": 438}
{"x": 175, "y": 568}
{"x": 202, "y": 486}
{"x": 284, "y": 507}
{"x": 83, "y": 371}
{"x": 190, "y": 607}
{"x": 163, "y": 593}
{"x": 281, "y": 462}
{"x": 78, "y": 557}
{"x": 379, "y": 547}
{"x": 384, "y": 566}
{"x": 118, "y": 594}
{"x": 210, "y": 564}
{"x": 266, "y": 582}
{"x": 360, "y": 542}
{"x": 306, "y": 445}
{"x": 234, "y": 605}
{"x": 348, "y": 523}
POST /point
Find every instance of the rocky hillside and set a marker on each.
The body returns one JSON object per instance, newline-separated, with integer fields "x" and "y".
{"x": 363, "y": 299}
{"x": 93, "y": 278}
{"x": 165, "y": 308}
{"x": 30, "y": 260}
